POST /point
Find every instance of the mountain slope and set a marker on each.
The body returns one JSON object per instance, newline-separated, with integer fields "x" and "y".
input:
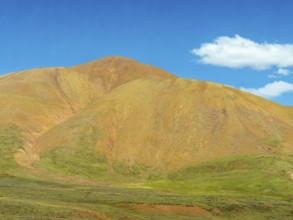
{"x": 169, "y": 124}
{"x": 37, "y": 100}
{"x": 128, "y": 116}
{"x": 116, "y": 139}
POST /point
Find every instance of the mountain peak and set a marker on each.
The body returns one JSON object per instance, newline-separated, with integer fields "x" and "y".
{"x": 117, "y": 70}
{"x": 117, "y": 58}
{"x": 108, "y": 60}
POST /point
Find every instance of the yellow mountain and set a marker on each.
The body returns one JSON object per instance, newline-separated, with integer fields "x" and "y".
{"x": 123, "y": 116}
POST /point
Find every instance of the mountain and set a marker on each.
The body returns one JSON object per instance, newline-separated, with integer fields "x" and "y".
{"x": 117, "y": 139}
{"x": 133, "y": 115}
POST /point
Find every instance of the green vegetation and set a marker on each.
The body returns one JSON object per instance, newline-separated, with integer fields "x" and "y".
{"x": 253, "y": 187}
{"x": 27, "y": 198}
{"x": 266, "y": 175}
{"x": 24, "y": 198}
{"x": 10, "y": 141}
{"x": 134, "y": 170}
{"x": 273, "y": 142}
{"x": 82, "y": 160}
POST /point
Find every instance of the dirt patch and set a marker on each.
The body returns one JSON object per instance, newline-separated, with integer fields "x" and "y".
{"x": 169, "y": 209}
{"x": 26, "y": 158}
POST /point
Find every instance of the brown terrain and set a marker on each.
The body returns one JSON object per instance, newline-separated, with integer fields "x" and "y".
{"x": 132, "y": 114}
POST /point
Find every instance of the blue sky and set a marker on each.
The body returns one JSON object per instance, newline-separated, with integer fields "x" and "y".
{"x": 244, "y": 44}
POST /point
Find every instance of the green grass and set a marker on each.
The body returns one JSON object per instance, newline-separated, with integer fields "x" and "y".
{"x": 250, "y": 187}
{"x": 245, "y": 187}
{"x": 10, "y": 141}
{"x": 24, "y": 198}
{"x": 245, "y": 175}
{"x": 81, "y": 160}
{"x": 41, "y": 199}
{"x": 273, "y": 142}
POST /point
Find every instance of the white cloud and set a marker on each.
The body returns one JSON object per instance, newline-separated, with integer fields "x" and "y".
{"x": 272, "y": 76}
{"x": 280, "y": 72}
{"x": 284, "y": 72}
{"x": 239, "y": 52}
{"x": 271, "y": 90}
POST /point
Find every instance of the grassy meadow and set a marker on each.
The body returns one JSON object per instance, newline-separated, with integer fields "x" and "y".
{"x": 245, "y": 187}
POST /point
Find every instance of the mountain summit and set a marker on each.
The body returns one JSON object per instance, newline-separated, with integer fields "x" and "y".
{"x": 122, "y": 116}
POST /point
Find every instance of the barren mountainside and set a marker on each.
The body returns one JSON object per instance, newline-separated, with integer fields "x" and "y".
{"x": 123, "y": 116}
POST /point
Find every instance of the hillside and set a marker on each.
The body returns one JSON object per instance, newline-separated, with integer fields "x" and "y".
{"x": 131, "y": 114}
{"x": 38, "y": 100}
{"x": 117, "y": 139}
